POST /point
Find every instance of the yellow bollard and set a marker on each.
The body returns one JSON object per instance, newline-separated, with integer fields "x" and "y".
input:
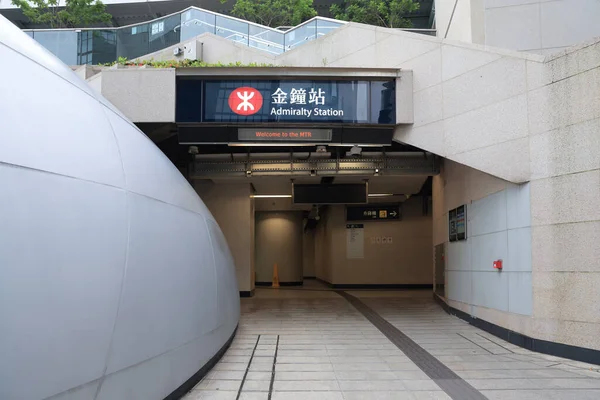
{"x": 275, "y": 276}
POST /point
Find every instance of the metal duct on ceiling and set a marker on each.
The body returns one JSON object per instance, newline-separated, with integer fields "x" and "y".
{"x": 313, "y": 164}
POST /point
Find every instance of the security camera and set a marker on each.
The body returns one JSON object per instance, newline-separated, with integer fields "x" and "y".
{"x": 355, "y": 151}
{"x": 193, "y": 150}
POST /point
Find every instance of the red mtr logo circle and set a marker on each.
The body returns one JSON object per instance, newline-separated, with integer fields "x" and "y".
{"x": 245, "y": 101}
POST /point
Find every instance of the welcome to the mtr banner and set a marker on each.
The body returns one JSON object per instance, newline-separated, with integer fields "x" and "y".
{"x": 282, "y": 134}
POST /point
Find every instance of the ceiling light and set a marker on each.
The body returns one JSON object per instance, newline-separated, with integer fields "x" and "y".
{"x": 380, "y": 194}
{"x": 257, "y": 144}
{"x": 270, "y": 196}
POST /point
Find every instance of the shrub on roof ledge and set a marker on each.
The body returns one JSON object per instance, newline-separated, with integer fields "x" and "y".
{"x": 122, "y": 61}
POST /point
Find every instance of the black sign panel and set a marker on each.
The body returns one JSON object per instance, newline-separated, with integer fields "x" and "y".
{"x": 345, "y": 193}
{"x": 452, "y": 225}
{"x": 373, "y": 212}
{"x": 284, "y": 135}
{"x": 287, "y": 101}
{"x": 457, "y": 224}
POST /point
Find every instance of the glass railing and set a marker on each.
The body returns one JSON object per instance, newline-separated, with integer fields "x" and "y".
{"x": 106, "y": 45}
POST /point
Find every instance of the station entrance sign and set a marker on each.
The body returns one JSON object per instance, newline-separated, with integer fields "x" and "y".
{"x": 245, "y": 101}
{"x": 298, "y": 101}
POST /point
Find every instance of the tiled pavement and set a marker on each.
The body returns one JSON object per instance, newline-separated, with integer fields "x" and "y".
{"x": 313, "y": 344}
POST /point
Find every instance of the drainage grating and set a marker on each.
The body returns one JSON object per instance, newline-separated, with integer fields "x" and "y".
{"x": 444, "y": 377}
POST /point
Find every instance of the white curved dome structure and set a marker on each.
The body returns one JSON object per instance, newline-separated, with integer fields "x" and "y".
{"x": 116, "y": 283}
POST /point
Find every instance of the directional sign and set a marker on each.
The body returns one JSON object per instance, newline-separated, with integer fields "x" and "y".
{"x": 376, "y": 212}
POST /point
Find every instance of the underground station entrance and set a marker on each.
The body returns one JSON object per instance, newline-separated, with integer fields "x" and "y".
{"x": 332, "y": 197}
{"x": 330, "y": 222}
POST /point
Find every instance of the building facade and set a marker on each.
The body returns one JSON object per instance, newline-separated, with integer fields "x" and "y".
{"x": 505, "y": 107}
{"x": 518, "y": 136}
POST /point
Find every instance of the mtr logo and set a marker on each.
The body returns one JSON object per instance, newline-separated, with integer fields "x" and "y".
{"x": 245, "y": 101}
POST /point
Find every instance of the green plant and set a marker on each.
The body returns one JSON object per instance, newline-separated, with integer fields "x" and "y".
{"x": 388, "y": 13}
{"x": 186, "y": 63}
{"x": 74, "y": 14}
{"x": 274, "y": 13}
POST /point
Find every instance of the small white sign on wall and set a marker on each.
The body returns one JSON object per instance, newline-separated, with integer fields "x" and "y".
{"x": 355, "y": 241}
{"x": 381, "y": 240}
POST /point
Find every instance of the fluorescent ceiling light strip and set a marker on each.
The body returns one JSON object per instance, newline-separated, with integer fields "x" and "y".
{"x": 268, "y": 196}
{"x": 267, "y": 144}
{"x": 272, "y": 196}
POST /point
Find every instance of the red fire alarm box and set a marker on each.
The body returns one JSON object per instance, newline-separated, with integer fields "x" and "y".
{"x": 498, "y": 264}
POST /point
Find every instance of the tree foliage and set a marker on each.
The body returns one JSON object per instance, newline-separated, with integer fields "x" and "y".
{"x": 388, "y": 13}
{"x": 274, "y": 13}
{"x": 75, "y": 13}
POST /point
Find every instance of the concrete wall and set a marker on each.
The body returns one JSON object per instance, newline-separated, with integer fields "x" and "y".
{"x": 563, "y": 120}
{"x": 279, "y": 241}
{"x": 565, "y": 198}
{"x": 453, "y": 20}
{"x": 498, "y": 227}
{"x": 537, "y": 26}
{"x": 323, "y": 253}
{"x": 540, "y": 26}
{"x": 233, "y": 209}
{"x": 143, "y": 95}
{"x": 308, "y": 254}
{"x": 406, "y": 260}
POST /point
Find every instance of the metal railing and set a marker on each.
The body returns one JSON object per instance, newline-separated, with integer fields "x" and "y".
{"x": 106, "y": 45}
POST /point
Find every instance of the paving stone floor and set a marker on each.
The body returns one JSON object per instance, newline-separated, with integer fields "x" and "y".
{"x": 311, "y": 343}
